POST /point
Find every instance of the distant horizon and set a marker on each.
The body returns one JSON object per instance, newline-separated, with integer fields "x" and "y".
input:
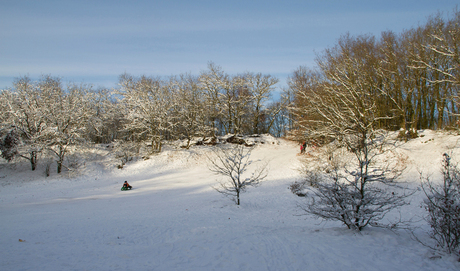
{"x": 94, "y": 42}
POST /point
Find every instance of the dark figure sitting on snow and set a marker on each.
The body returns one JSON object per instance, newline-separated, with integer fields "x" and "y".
{"x": 126, "y": 185}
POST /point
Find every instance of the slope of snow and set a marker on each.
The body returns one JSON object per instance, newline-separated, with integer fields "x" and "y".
{"x": 174, "y": 220}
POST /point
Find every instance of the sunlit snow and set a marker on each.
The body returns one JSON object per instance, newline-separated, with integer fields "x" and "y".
{"x": 174, "y": 220}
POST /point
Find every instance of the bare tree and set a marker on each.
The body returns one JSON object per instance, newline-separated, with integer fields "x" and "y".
{"x": 398, "y": 83}
{"x": 343, "y": 103}
{"x": 356, "y": 195}
{"x": 304, "y": 85}
{"x": 279, "y": 119}
{"x": 261, "y": 89}
{"x": 237, "y": 103}
{"x": 233, "y": 164}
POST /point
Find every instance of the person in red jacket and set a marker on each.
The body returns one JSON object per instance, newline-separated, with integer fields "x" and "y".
{"x": 303, "y": 147}
{"x": 126, "y": 185}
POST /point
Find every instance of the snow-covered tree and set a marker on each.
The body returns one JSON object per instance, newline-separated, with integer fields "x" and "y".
{"x": 67, "y": 112}
{"x": 211, "y": 82}
{"x": 443, "y": 205}
{"x": 23, "y": 111}
{"x": 233, "y": 164}
{"x": 236, "y": 99}
{"x": 350, "y": 191}
{"x": 4, "y": 97}
{"x": 150, "y": 107}
{"x": 46, "y": 116}
{"x": 191, "y": 108}
{"x": 106, "y": 124}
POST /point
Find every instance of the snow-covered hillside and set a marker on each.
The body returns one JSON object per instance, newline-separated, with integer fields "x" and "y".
{"x": 174, "y": 220}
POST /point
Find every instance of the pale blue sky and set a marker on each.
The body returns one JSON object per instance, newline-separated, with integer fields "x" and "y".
{"x": 95, "y": 41}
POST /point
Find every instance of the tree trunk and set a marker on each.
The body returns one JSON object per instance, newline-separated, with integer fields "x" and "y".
{"x": 60, "y": 159}
{"x": 33, "y": 160}
{"x": 237, "y": 197}
{"x": 59, "y": 166}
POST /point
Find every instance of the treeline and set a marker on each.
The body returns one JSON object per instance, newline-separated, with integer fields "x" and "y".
{"x": 46, "y": 116}
{"x": 211, "y": 104}
{"x": 409, "y": 80}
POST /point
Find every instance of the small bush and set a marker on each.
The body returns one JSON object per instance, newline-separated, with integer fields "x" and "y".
{"x": 443, "y": 205}
{"x": 8, "y": 144}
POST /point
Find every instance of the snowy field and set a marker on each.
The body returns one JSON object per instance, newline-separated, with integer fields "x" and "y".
{"x": 174, "y": 220}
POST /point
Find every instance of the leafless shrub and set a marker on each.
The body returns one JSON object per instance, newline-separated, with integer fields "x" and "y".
{"x": 443, "y": 206}
{"x": 233, "y": 164}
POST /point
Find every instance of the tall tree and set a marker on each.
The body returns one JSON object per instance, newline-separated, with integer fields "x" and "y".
{"x": 261, "y": 88}
{"x": 191, "y": 108}
{"x": 150, "y": 106}
{"x": 67, "y": 112}
{"x": 212, "y": 82}
{"x": 23, "y": 108}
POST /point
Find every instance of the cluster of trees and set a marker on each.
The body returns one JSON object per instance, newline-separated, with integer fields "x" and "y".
{"x": 407, "y": 81}
{"x": 46, "y": 116}
{"x": 361, "y": 89}
{"x": 211, "y": 104}
{"x": 39, "y": 116}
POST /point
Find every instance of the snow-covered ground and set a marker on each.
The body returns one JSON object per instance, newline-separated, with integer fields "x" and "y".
{"x": 174, "y": 220}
